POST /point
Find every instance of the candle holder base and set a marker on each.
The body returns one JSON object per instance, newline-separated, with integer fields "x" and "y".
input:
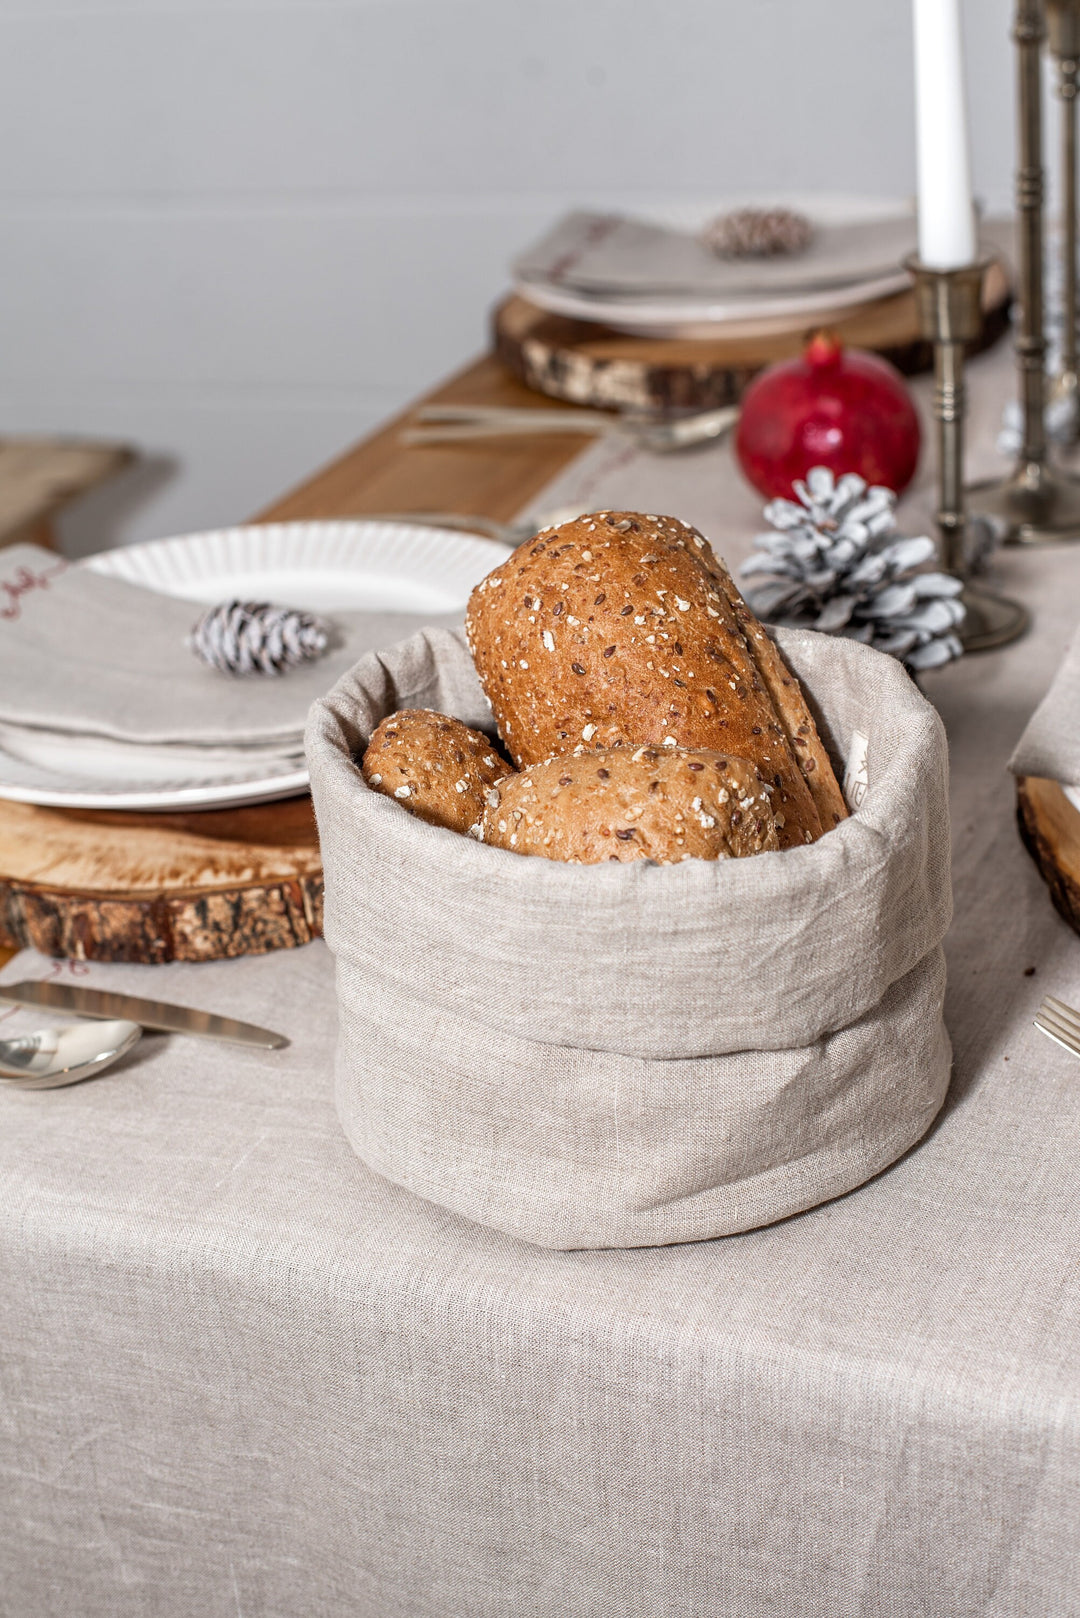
{"x": 1038, "y": 506}
{"x": 990, "y": 620}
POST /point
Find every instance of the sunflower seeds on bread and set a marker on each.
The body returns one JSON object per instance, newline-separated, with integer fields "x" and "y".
{"x": 664, "y": 804}
{"x": 434, "y": 766}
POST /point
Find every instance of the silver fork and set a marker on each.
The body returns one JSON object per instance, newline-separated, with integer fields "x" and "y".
{"x": 1060, "y": 1023}
{"x": 448, "y": 424}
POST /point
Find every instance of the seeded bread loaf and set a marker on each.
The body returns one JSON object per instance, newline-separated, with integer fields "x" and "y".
{"x": 434, "y": 766}
{"x": 788, "y": 700}
{"x": 647, "y": 803}
{"x": 623, "y": 629}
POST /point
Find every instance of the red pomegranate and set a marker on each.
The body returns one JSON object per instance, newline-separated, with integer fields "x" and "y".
{"x": 835, "y": 407}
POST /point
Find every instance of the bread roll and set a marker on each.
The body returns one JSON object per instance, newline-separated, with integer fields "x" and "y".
{"x": 623, "y": 629}
{"x": 434, "y": 766}
{"x": 646, "y": 803}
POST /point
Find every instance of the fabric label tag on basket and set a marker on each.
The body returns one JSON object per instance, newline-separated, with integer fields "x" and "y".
{"x": 857, "y": 774}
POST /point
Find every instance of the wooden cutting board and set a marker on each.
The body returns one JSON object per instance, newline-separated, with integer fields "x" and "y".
{"x": 1050, "y": 829}
{"x": 588, "y": 364}
{"x": 110, "y": 886}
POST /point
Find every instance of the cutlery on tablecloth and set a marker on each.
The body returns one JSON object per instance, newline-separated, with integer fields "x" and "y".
{"x": 156, "y": 1014}
{"x": 53, "y": 1057}
{"x": 447, "y": 424}
{"x": 1060, "y": 1023}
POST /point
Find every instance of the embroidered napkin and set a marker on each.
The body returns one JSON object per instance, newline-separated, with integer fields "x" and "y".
{"x": 606, "y": 253}
{"x": 1050, "y": 745}
{"x": 88, "y": 664}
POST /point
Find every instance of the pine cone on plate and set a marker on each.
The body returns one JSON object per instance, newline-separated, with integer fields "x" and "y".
{"x": 254, "y": 637}
{"x": 758, "y": 233}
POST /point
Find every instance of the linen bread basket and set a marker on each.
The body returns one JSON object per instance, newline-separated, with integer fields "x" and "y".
{"x": 627, "y": 1055}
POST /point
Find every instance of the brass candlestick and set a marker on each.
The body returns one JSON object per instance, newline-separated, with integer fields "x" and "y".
{"x": 1063, "y": 19}
{"x": 1035, "y": 503}
{"x": 950, "y": 315}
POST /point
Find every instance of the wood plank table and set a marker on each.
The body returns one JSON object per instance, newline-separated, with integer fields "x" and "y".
{"x": 40, "y": 476}
{"x": 488, "y": 478}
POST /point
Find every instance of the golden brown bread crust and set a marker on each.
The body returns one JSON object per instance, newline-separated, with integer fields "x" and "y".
{"x": 614, "y": 630}
{"x": 434, "y": 766}
{"x": 648, "y": 803}
{"x": 788, "y": 700}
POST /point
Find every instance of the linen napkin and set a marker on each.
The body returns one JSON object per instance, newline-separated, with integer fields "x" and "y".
{"x": 1050, "y": 745}
{"x": 89, "y": 664}
{"x": 606, "y": 253}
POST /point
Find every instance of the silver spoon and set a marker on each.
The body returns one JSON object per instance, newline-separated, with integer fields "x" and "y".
{"x": 52, "y": 1057}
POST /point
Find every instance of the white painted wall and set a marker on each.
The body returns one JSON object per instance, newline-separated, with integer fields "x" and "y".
{"x": 237, "y": 234}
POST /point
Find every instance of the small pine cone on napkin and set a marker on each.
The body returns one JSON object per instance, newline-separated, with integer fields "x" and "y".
{"x": 253, "y": 637}
{"x": 758, "y": 233}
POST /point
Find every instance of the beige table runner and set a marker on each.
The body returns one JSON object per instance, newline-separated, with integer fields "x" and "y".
{"x": 242, "y": 1375}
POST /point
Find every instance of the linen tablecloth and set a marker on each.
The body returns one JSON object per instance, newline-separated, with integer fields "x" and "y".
{"x": 241, "y": 1375}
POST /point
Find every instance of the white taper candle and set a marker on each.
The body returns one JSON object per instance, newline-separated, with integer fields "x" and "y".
{"x": 946, "y": 208}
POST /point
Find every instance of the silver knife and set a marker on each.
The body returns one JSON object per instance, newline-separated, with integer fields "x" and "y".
{"x": 157, "y": 1014}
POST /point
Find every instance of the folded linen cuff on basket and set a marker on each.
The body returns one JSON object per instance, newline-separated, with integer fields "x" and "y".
{"x": 1050, "y": 745}
{"x": 626, "y": 1055}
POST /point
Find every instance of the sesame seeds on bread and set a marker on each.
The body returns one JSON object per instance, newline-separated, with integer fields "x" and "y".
{"x": 619, "y": 630}
{"x": 648, "y": 803}
{"x": 434, "y": 766}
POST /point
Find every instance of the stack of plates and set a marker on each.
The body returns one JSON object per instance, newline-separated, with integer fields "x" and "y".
{"x": 654, "y": 277}
{"x": 389, "y": 568}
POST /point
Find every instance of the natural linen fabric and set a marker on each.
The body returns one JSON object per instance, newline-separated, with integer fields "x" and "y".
{"x": 98, "y": 664}
{"x": 622, "y": 1055}
{"x": 242, "y": 1376}
{"x": 1050, "y": 745}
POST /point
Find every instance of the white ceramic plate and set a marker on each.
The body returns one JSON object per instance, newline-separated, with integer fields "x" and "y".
{"x": 699, "y": 318}
{"x": 670, "y": 317}
{"x": 347, "y": 566}
{"x": 327, "y": 566}
{"x": 24, "y": 782}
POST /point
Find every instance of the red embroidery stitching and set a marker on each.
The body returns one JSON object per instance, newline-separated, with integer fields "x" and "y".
{"x": 25, "y": 580}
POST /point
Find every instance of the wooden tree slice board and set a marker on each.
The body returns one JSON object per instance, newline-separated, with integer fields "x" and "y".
{"x": 1050, "y": 829}
{"x": 112, "y": 886}
{"x": 588, "y": 364}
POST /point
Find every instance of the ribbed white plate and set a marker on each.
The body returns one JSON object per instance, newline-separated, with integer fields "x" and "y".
{"x": 325, "y": 566}
{"x": 690, "y": 318}
{"x": 347, "y": 566}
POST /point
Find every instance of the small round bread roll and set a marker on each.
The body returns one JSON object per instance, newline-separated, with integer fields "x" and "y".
{"x": 648, "y": 803}
{"x": 434, "y": 766}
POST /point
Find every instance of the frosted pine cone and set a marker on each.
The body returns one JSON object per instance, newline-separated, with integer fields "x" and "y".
{"x": 253, "y": 637}
{"x": 758, "y": 233}
{"x": 836, "y": 564}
